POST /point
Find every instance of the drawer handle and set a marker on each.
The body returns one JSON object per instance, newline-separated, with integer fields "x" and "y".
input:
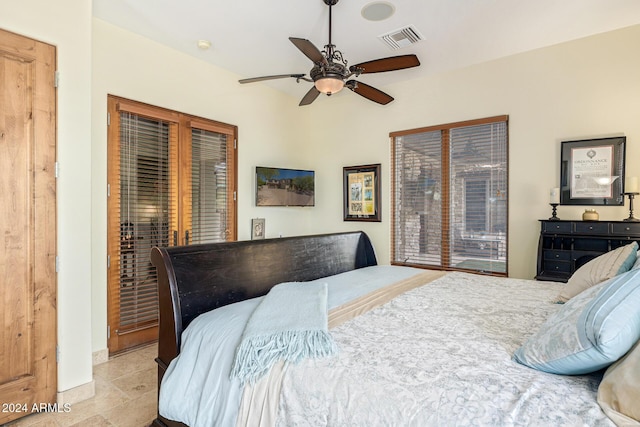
{"x": 591, "y": 227}
{"x": 557, "y": 267}
{"x": 557, "y": 227}
{"x": 627, "y": 228}
{"x": 557, "y": 256}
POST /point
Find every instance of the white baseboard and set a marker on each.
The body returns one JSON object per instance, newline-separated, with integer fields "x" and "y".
{"x": 100, "y": 356}
{"x": 77, "y": 394}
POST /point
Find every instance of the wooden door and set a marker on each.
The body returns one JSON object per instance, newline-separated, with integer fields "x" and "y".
{"x": 27, "y": 225}
{"x": 142, "y": 206}
{"x": 172, "y": 181}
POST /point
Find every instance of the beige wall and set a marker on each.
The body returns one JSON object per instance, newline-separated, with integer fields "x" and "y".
{"x": 269, "y": 128}
{"x": 587, "y": 88}
{"x": 67, "y": 25}
{"x": 582, "y": 89}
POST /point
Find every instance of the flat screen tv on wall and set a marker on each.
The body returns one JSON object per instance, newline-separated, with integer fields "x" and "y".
{"x": 284, "y": 187}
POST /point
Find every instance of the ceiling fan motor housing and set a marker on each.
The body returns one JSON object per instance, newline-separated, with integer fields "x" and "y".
{"x": 332, "y": 70}
{"x": 335, "y": 75}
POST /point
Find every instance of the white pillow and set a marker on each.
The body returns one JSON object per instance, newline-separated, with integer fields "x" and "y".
{"x": 619, "y": 391}
{"x": 599, "y": 269}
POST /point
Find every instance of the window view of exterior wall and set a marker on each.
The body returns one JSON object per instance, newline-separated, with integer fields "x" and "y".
{"x": 450, "y": 196}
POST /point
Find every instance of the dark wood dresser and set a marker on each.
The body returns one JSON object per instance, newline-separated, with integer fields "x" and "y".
{"x": 565, "y": 246}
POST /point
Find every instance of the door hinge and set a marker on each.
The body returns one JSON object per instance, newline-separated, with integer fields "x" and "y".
{"x": 108, "y": 119}
{"x": 57, "y": 353}
{"x": 57, "y": 169}
{"x": 57, "y": 264}
{"x": 56, "y": 79}
{"x": 234, "y": 196}
{"x": 108, "y": 332}
{"x": 235, "y": 144}
{"x": 108, "y": 261}
{"x": 108, "y": 190}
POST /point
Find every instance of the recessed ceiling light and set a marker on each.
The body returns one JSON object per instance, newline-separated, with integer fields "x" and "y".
{"x": 378, "y": 11}
{"x": 204, "y": 44}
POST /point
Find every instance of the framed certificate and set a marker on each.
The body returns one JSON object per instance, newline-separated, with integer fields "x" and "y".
{"x": 592, "y": 172}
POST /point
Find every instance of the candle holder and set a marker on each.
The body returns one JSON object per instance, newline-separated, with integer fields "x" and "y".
{"x": 631, "y": 217}
{"x": 554, "y": 207}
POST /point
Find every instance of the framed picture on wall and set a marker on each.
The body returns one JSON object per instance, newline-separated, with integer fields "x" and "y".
{"x": 592, "y": 172}
{"x": 361, "y": 193}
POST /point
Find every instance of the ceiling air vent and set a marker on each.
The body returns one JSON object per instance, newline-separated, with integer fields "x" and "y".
{"x": 402, "y": 37}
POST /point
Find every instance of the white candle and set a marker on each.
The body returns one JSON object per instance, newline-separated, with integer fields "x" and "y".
{"x": 554, "y": 196}
{"x": 631, "y": 186}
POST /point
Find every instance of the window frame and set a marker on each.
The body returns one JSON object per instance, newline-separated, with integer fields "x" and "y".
{"x": 446, "y": 203}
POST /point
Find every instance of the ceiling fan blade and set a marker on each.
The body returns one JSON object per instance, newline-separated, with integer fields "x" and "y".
{"x": 369, "y": 92}
{"x": 309, "y": 50}
{"x": 279, "y": 76}
{"x": 310, "y": 96}
{"x": 391, "y": 63}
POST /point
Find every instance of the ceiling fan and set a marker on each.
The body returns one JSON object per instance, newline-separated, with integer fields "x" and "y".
{"x": 330, "y": 72}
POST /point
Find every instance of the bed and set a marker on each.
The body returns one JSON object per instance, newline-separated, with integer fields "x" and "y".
{"x": 415, "y": 347}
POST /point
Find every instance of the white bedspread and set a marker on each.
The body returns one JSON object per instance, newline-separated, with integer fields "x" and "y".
{"x": 196, "y": 388}
{"x": 440, "y": 355}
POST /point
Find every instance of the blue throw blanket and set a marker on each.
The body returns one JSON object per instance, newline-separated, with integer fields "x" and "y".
{"x": 290, "y": 324}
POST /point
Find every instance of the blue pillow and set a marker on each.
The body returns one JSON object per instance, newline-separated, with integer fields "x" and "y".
{"x": 590, "y": 332}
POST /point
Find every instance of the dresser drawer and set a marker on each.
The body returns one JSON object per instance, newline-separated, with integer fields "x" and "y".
{"x": 556, "y": 227}
{"x": 551, "y": 255}
{"x": 625, "y": 228}
{"x": 580, "y": 258}
{"x": 557, "y": 266}
{"x": 592, "y": 228}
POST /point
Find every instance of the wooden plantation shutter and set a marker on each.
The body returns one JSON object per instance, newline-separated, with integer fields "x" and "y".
{"x": 171, "y": 182}
{"x": 450, "y": 196}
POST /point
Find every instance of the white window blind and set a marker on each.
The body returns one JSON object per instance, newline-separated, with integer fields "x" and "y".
{"x": 208, "y": 186}
{"x": 450, "y": 196}
{"x": 144, "y": 215}
{"x": 418, "y": 199}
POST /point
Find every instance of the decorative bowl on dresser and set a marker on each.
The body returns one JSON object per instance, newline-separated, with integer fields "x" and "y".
{"x": 565, "y": 246}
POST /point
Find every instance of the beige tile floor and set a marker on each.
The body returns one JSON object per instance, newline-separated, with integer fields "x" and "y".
{"x": 126, "y": 391}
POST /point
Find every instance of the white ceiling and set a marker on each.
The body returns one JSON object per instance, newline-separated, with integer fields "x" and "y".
{"x": 250, "y": 37}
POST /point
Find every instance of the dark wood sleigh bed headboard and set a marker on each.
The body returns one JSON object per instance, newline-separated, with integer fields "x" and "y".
{"x": 199, "y": 278}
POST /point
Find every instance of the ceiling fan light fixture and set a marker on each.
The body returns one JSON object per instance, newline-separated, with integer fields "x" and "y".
{"x": 329, "y": 84}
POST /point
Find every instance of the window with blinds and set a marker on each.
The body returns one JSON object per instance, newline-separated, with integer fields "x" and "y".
{"x": 450, "y": 196}
{"x": 172, "y": 181}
